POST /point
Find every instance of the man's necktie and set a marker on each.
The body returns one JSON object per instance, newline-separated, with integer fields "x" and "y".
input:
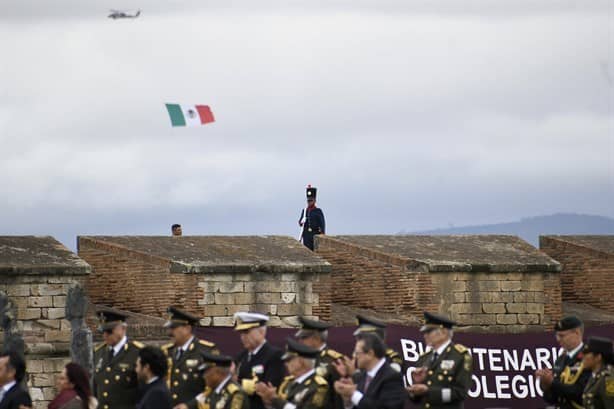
{"x": 178, "y": 354}
{"x": 249, "y": 356}
{"x": 110, "y": 355}
{"x": 367, "y": 382}
{"x": 434, "y": 358}
{"x": 1, "y": 394}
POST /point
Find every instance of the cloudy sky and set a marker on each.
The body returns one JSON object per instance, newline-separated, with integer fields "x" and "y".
{"x": 407, "y": 115}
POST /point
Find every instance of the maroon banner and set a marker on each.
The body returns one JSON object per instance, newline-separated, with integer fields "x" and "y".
{"x": 503, "y": 364}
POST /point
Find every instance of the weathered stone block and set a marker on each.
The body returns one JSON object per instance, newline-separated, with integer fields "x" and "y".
{"x": 221, "y": 298}
{"x": 35, "y": 366}
{"x": 28, "y": 313}
{"x": 516, "y": 308}
{"x": 287, "y": 287}
{"x": 54, "y": 313}
{"x": 489, "y": 285}
{"x": 217, "y": 277}
{"x": 502, "y": 297}
{"x": 46, "y": 301}
{"x": 511, "y": 285}
{"x": 289, "y": 277}
{"x": 268, "y": 298}
{"x": 533, "y": 285}
{"x": 223, "y": 321}
{"x": 535, "y": 308}
{"x": 288, "y": 297}
{"x": 527, "y": 319}
{"x": 42, "y": 379}
{"x": 466, "y": 308}
{"x": 494, "y": 308}
{"x": 228, "y": 287}
{"x": 59, "y": 301}
{"x": 57, "y": 336}
{"x": 245, "y": 298}
{"x": 477, "y": 319}
{"x": 49, "y": 289}
{"x": 459, "y": 286}
{"x": 288, "y": 309}
{"x": 208, "y": 298}
{"x": 18, "y": 290}
{"x": 507, "y": 319}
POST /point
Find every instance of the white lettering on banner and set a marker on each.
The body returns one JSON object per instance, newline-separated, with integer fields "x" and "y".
{"x": 487, "y": 385}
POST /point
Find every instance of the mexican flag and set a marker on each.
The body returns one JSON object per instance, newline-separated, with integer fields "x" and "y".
{"x": 189, "y": 115}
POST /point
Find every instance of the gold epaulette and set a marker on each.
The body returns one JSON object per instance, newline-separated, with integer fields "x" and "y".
{"x": 232, "y": 388}
{"x": 320, "y": 381}
{"x": 138, "y": 344}
{"x": 461, "y": 348}
{"x": 334, "y": 354}
{"x": 99, "y": 347}
{"x": 166, "y": 347}
{"x": 206, "y": 343}
{"x": 425, "y": 353}
{"x": 391, "y": 352}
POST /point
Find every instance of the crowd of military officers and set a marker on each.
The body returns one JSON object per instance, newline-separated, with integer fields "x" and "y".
{"x": 192, "y": 373}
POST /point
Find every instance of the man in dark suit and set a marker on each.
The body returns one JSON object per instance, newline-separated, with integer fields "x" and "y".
{"x": 151, "y": 367}
{"x": 377, "y": 386}
{"x": 368, "y": 324}
{"x": 12, "y": 372}
{"x": 564, "y": 384}
{"x": 259, "y": 361}
{"x": 312, "y": 219}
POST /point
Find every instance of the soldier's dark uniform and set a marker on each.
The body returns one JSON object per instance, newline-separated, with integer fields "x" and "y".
{"x": 264, "y": 366}
{"x": 599, "y": 390}
{"x": 313, "y": 221}
{"x": 570, "y": 377}
{"x": 230, "y": 395}
{"x": 183, "y": 379}
{"x": 311, "y": 392}
{"x": 367, "y": 324}
{"x": 115, "y": 382}
{"x": 448, "y": 375}
{"x": 324, "y": 360}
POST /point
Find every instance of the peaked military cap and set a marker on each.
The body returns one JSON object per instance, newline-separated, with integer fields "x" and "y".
{"x": 110, "y": 319}
{"x": 247, "y": 320}
{"x": 309, "y": 327}
{"x": 367, "y": 324}
{"x": 311, "y": 192}
{"x": 210, "y": 360}
{"x": 296, "y": 349}
{"x": 433, "y": 321}
{"x": 570, "y": 322}
{"x": 599, "y": 345}
{"x": 177, "y": 318}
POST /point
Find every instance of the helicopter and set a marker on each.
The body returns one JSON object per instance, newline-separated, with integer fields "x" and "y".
{"x": 115, "y": 14}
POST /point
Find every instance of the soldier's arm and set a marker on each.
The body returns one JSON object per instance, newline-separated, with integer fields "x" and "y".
{"x": 275, "y": 370}
{"x": 458, "y": 389}
{"x": 572, "y": 391}
{"x": 317, "y": 398}
{"x": 606, "y": 392}
{"x": 323, "y": 223}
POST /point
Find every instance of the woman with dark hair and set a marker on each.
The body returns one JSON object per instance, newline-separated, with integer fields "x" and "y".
{"x": 74, "y": 391}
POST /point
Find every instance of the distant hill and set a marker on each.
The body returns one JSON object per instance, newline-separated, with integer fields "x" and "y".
{"x": 531, "y": 228}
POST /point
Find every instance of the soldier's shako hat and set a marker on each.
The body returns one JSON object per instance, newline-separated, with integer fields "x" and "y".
{"x": 110, "y": 319}
{"x": 599, "y": 345}
{"x": 248, "y": 320}
{"x": 210, "y": 360}
{"x": 310, "y": 327}
{"x": 434, "y": 321}
{"x": 311, "y": 192}
{"x": 177, "y": 318}
{"x": 296, "y": 349}
{"x": 368, "y": 324}
{"x": 570, "y": 322}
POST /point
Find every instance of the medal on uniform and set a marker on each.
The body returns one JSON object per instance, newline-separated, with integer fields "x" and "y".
{"x": 299, "y": 396}
{"x": 447, "y": 364}
{"x": 258, "y": 370}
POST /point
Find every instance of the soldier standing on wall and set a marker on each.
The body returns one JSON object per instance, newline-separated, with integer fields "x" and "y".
{"x": 312, "y": 219}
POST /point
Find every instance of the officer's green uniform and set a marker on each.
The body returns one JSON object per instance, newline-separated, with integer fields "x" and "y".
{"x": 115, "y": 383}
{"x": 368, "y": 324}
{"x": 324, "y": 360}
{"x": 448, "y": 375}
{"x": 599, "y": 390}
{"x": 183, "y": 379}
{"x": 311, "y": 392}
{"x": 230, "y": 395}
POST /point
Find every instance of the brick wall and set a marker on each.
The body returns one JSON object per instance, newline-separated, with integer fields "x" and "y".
{"x": 145, "y": 284}
{"x": 587, "y": 275}
{"x": 40, "y": 302}
{"x": 503, "y": 302}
